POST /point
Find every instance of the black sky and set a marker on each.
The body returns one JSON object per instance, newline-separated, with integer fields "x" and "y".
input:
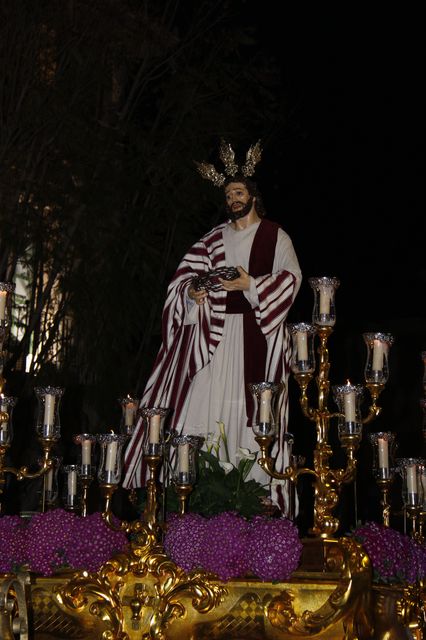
{"x": 345, "y": 177}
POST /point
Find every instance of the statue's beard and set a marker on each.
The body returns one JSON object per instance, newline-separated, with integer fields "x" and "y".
{"x": 240, "y": 213}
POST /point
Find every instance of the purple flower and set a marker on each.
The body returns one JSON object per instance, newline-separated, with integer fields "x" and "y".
{"x": 226, "y": 545}
{"x": 394, "y": 557}
{"x": 12, "y": 545}
{"x": 48, "y": 536}
{"x": 93, "y": 543}
{"x": 230, "y": 546}
{"x": 57, "y": 539}
{"x": 184, "y": 539}
{"x": 274, "y": 548}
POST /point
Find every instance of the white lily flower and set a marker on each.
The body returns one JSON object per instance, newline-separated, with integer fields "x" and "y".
{"x": 245, "y": 454}
{"x": 226, "y": 466}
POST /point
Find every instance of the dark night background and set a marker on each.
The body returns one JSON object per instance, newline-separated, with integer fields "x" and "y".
{"x": 339, "y": 107}
{"x": 344, "y": 176}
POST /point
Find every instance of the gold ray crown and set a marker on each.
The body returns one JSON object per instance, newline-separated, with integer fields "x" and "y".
{"x": 227, "y": 156}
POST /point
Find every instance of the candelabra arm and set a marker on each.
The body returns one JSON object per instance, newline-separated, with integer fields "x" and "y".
{"x": 384, "y": 486}
{"x": 375, "y": 389}
{"x": 303, "y": 380}
{"x": 150, "y": 512}
{"x": 107, "y": 514}
{"x": 183, "y": 491}
{"x": 23, "y": 474}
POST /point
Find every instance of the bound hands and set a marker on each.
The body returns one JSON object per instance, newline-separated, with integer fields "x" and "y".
{"x": 242, "y": 283}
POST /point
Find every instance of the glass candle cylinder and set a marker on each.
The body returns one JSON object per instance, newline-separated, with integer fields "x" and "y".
{"x": 423, "y": 482}
{"x": 110, "y": 464}
{"x": 410, "y": 469}
{"x": 377, "y": 365}
{"x": 6, "y": 428}
{"x": 129, "y": 408}
{"x": 384, "y": 448}
{"x": 6, "y": 291}
{"x": 303, "y": 354}
{"x": 47, "y": 421}
{"x": 184, "y": 458}
{"x": 153, "y": 424}
{"x": 324, "y": 312}
{"x": 71, "y": 487}
{"x": 87, "y": 444}
{"x": 266, "y": 397}
{"x": 50, "y": 483}
{"x": 348, "y": 399}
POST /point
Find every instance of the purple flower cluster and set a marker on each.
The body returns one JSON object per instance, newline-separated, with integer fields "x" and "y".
{"x": 231, "y": 546}
{"x": 12, "y": 546}
{"x": 93, "y": 543}
{"x": 226, "y": 540}
{"x": 57, "y": 539}
{"x": 184, "y": 539}
{"x": 275, "y": 548}
{"x": 48, "y": 537}
{"x": 394, "y": 557}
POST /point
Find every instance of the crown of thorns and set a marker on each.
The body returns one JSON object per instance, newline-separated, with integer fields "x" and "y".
{"x": 227, "y": 155}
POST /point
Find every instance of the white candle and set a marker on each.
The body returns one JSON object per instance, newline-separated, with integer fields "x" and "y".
{"x": 4, "y": 425}
{"x": 72, "y": 483}
{"x": 49, "y": 480}
{"x": 49, "y": 410}
{"x": 154, "y": 429}
{"x": 324, "y": 304}
{"x": 302, "y": 345}
{"x": 3, "y": 298}
{"x": 111, "y": 456}
{"x": 86, "y": 450}
{"x": 377, "y": 356}
{"x": 382, "y": 446}
{"x": 265, "y": 405}
{"x": 411, "y": 479}
{"x": 184, "y": 458}
{"x": 423, "y": 481}
{"x": 129, "y": 414}
{"x": 349, "y": 406}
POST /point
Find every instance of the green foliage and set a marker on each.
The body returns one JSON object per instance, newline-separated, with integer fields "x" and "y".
{"x": 223, "y": 486}
{"x": 217, "y": 490}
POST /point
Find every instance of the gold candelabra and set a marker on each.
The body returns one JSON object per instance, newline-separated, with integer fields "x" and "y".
{"x": 48, "y": 427}
{"x": 327, "y": 480}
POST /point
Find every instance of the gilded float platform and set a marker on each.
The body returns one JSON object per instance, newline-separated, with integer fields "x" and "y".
{"x": 143, "y": 595}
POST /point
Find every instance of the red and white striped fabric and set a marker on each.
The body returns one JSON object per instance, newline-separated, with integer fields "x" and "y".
{"x": 187, "y": 348}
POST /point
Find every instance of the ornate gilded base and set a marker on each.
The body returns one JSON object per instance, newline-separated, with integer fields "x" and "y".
{"x": 143, "y": 595}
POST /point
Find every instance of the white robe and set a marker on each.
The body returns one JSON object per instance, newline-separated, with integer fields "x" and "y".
{"x": 217, "y": 393}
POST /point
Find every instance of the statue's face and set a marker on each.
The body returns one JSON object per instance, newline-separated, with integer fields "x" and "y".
{"x": 239, "y": 202}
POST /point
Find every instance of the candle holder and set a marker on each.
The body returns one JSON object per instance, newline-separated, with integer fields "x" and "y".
{"x": 71, "y": 494}
{"x": 86, "y": 464}
{"x": 324, "y": 312}
{"x": 411, "y": 471}
{"x": 153, "y": 425}
{"x": 129, "y": 409}
{"x": 349, "y": 426}
{"x": 109, "y": 472}
{"x": 384, "y": 449}
{"x": 6, "y": 292}
{"x": 47, "y": 438}
{"x": 47, "y": 420}
{"x": 50, "y": 489}
{"x": 7, "y": 404}
{"x": 303, "y": 356}
{"x": 184, "y": 466}
{"x": 265, "y": 412}
{"x": 327, "y": 480}
{"x": 377, "y": 363}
